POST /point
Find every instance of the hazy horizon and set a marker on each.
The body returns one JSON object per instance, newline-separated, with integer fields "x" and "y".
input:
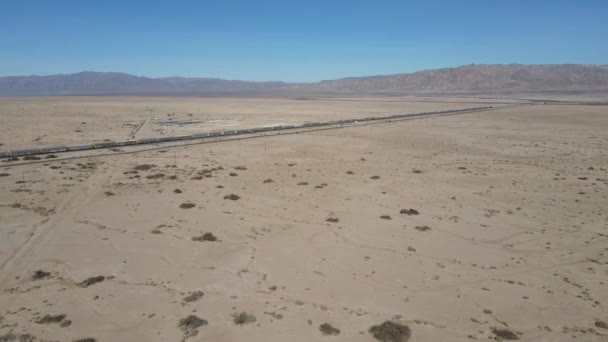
{"x": 279, "y": 80}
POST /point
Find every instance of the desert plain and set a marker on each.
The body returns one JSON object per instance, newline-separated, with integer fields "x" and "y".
{"x": 482, "y": 226}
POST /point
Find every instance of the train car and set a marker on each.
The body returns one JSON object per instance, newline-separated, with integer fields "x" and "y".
{"x": 148, "y": 140}
{"x": 15, "y": 153}
{"x": 167, "y": 138}
{"x": 104, "y": 144}
{"x": 183, "y": 137}
{"x": 23, "y": 152}
{"x": 53, "y": 149}
{"x": 79, "y": 147}
{"x": 200, "y": 135}
{"x": 4, "y": 154}
{"x": 126, "y": 142}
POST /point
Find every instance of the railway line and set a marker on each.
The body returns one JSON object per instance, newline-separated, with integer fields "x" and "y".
{"x": 230, "y": 133}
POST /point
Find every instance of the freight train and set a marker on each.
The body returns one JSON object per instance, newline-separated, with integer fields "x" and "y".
{"x": 119, "y": 143}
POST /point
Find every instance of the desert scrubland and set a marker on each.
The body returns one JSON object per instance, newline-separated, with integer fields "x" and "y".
{"x": 478, "y": 226}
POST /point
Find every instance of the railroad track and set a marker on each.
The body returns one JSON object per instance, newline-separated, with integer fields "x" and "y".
{"x": 247, "y": 131}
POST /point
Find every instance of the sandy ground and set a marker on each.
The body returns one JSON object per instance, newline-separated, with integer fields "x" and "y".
{"x": 48, "y": 121}
{"x": 510, "y": 240}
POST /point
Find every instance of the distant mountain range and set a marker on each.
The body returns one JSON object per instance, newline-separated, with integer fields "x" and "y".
{"x": 469, "y": 78}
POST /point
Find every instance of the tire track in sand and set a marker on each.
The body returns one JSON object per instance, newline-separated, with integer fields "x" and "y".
{"x": 70, "y": 204}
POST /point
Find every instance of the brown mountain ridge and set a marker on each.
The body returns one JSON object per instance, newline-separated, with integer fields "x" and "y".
{"x": 468, "y": 78}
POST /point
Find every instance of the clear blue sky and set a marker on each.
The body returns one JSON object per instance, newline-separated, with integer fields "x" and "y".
{"x": 304, "y": 40}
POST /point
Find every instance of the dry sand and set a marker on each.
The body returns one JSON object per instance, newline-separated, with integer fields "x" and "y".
{"x": 510, "y": 240}
{"x": 44, "y": 121}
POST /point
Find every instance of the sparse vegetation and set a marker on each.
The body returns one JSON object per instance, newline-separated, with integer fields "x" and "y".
{"x": 91, "y": 281}
{"x": 243, "y": 318}
{"x": 194, "y": 296}
{"x": 504, "y": 334}
{"x": 144, "y": 167}
{"x": 156, "y": 176}
{"x": 328, "y": 329}
{"x": 273, "y": 257}
{"x": 187, "y": 205}
{"x": 39, "y": 274}
{"x": 391, "y": 332}
{"x": 48, "y": 319}
{"x": 190, "y": 325}
{"x": 274, "y": 315}
{"x": 205, "y": 237}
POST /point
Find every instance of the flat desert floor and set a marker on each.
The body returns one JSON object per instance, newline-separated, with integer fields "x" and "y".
{"x": 479, "y": 226}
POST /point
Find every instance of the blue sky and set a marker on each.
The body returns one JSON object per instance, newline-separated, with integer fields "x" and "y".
{"x": 286, "y": 40}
